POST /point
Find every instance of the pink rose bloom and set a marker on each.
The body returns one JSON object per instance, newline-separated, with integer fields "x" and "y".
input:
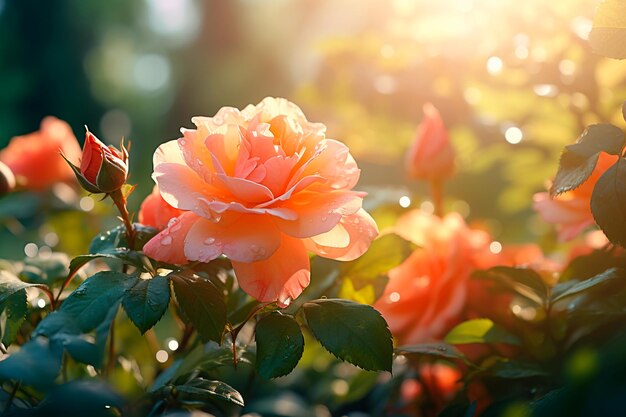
{"x": 262, "y": 186}
{"x": 35, "y": 158}
{"x": 431, "y": 156}
{"x": 571, "y": 211}
{"x": 156, "y": 212}
{"x": 425, "y": 295}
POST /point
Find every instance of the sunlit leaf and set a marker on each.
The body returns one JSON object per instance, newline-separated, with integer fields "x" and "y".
{"x": 523, "y": 281}
{"x": 146, "y": 302}
{"x": 14, "y": 310}
{"x": 579, "y": 160}
{"x": 480, "y": 331}
{"x": 571, "y": 289}
{"x": 202, "y": 304}
{"x": 608, "y": 35}
{"x": 436, "y": 349}
{"x": 353, "y": 332}
{"x": 608, "y": 201}
{"x": 279, "y": 345}
{"x": 10, "y": 284}
{"x": 116, "y": 238}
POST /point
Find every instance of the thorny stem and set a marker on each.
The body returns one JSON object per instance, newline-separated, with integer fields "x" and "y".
{"x": 48, "y": 292}
{"x": 235, "y": 332}
{"x": 120, "y": 202}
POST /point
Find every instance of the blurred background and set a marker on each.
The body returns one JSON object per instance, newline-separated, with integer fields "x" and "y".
{"x": 514, "y": 81}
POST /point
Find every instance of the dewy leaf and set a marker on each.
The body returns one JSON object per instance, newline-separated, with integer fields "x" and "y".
{"x": 45, "y": 270}
{"x": 122, "y": 254}
{"x": 91, "y": 301}
{"x": 608, "y": 35}
{"x": 480, "y": 331}
{"x": 279, "y": 345}
{"x": 608, "y": 203}
{"x": 579, "y": 159}
{"x": 604, "y": 278}
{"x": 115, "y": 238}
{"x": 199, "y": 391}
{"x": 353, "y": 332}
{"x": 202, "y": 304}
{"x": 146, "y": 302}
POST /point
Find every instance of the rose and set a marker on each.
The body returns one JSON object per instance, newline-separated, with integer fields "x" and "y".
{"x": 262, "y": 186}
{"x": 425, "y": 295}
{"x": 34, "y": 158}
{"x": 571, "y": 211}
{"x": 102, "y": 169}
{"x": 156, "y": 212}
{"x": 431, "y": 156}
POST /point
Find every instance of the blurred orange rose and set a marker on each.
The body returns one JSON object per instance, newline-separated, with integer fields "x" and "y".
{"x": 262, "y": 186}
{"x": 571, "y": 211}
{"x": 425, "y": 295}
{"x": 437, "y": 385}
{"x": 156, "y": 212}
{"x": 35, "y": 158}
{"x": 431, "y": 156}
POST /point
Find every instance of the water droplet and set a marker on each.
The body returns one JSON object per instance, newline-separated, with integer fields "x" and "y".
{"x": 166, "y": 241}
{"x": 199, "y": 162}
{"x": 355, "y": 221}
{"x": 209, "y": 241}
{"x": 173, "y": 222}
{"x": 285, "y": 303}
{"x": 183, "y": 142}
{"x": 324, "y": 218}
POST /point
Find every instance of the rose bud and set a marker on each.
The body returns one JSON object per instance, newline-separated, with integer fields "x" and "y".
{"x": 102, "y": 169}
{"x": 431, "y": 156}
{"x": 7, "y": 179}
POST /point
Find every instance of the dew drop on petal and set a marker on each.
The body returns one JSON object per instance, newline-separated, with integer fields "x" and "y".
{"x": 324, "y": 218}
{"x": 183, "y": 142}
{"x": 209, "y": 241}
{"x": 166, "y": 241}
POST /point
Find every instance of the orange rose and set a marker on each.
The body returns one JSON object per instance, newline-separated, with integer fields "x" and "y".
{"x": 571, "y": 211}
{"x": 425, "y": 295}
{"x": 262, "y": 186}
{"x": 34, "y": 158}
{"x": 156, "y": 212}
{"x": 431, "y": 156}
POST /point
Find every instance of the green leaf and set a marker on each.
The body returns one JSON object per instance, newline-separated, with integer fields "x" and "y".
{"x": 127, "y": 256}
{"x": 202, "y": 305}
{"x": 590, "y": 265}
{"x": 37, "y": 363}
{"x": 279, "y": 345}
{"x": 199, "y": 390}
{"x": 10, "y": 284}
{"x": 523, "y": 281}
{"x": 353, "y": 332}
{"x": 604, "y": 278}
{"x": 579, "y": 160}
{"x": 91, "y": 301}
{"x": 146, "y": 302}
{"x": 45, "y": 270}
{"x": 436, "y": 349}
{"x": 514, "y": 369}
{"x": 364, "y": 279}
{"x": 608, "y": 35}
{"x": 116, "y": 238}
{"x": 608, "y": 203}
{"x": 14, "y": 310}
{"x": 480, "y": 331}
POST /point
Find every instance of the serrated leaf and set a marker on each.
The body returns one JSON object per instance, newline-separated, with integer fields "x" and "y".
{"x": 14, "y": 310}
{"x": 608, "y": 203}
{"x": 604, "y": 278}
{"x": 91, "y": 301}
{"x": 204, "y": 389}
{"x": 146, "y": 302}
{"x": 523, "y": 281}
{"x": 122, "y": 254}
{"x": 279, "y": 345}
{"x": 202, "y": 304}
{"x": 480, "y": 331}
{"x": 115, "y": 238}
{"x": 355, "y": 333}
{"x": 10, "y": 284}
{"x": 608, "y": 35}
{"x": 436, "y": 349}
{"x": 45, "y": 270}
{"x": 590, "y": 265}
{"x": 579, "y": 159}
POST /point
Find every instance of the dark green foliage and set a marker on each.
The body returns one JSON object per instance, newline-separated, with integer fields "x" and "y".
{"x": 279, "y": 345}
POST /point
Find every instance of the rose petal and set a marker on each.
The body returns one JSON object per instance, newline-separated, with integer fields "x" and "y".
{"x": 244, "y": 190}
{"x": 282, "y": 277}
{"x": 169, "y": 245}
{"x": 348, "y": 240}
{"x": 243, "y": 238}
{"x": 180, "y": 185}
{"x": 169, "y": 152}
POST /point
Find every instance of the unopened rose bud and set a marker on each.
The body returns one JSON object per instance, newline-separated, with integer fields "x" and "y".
{"x": 431, "y": 156}
{"x": 103, "y": 169}
{"x": 7, "y": 179}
